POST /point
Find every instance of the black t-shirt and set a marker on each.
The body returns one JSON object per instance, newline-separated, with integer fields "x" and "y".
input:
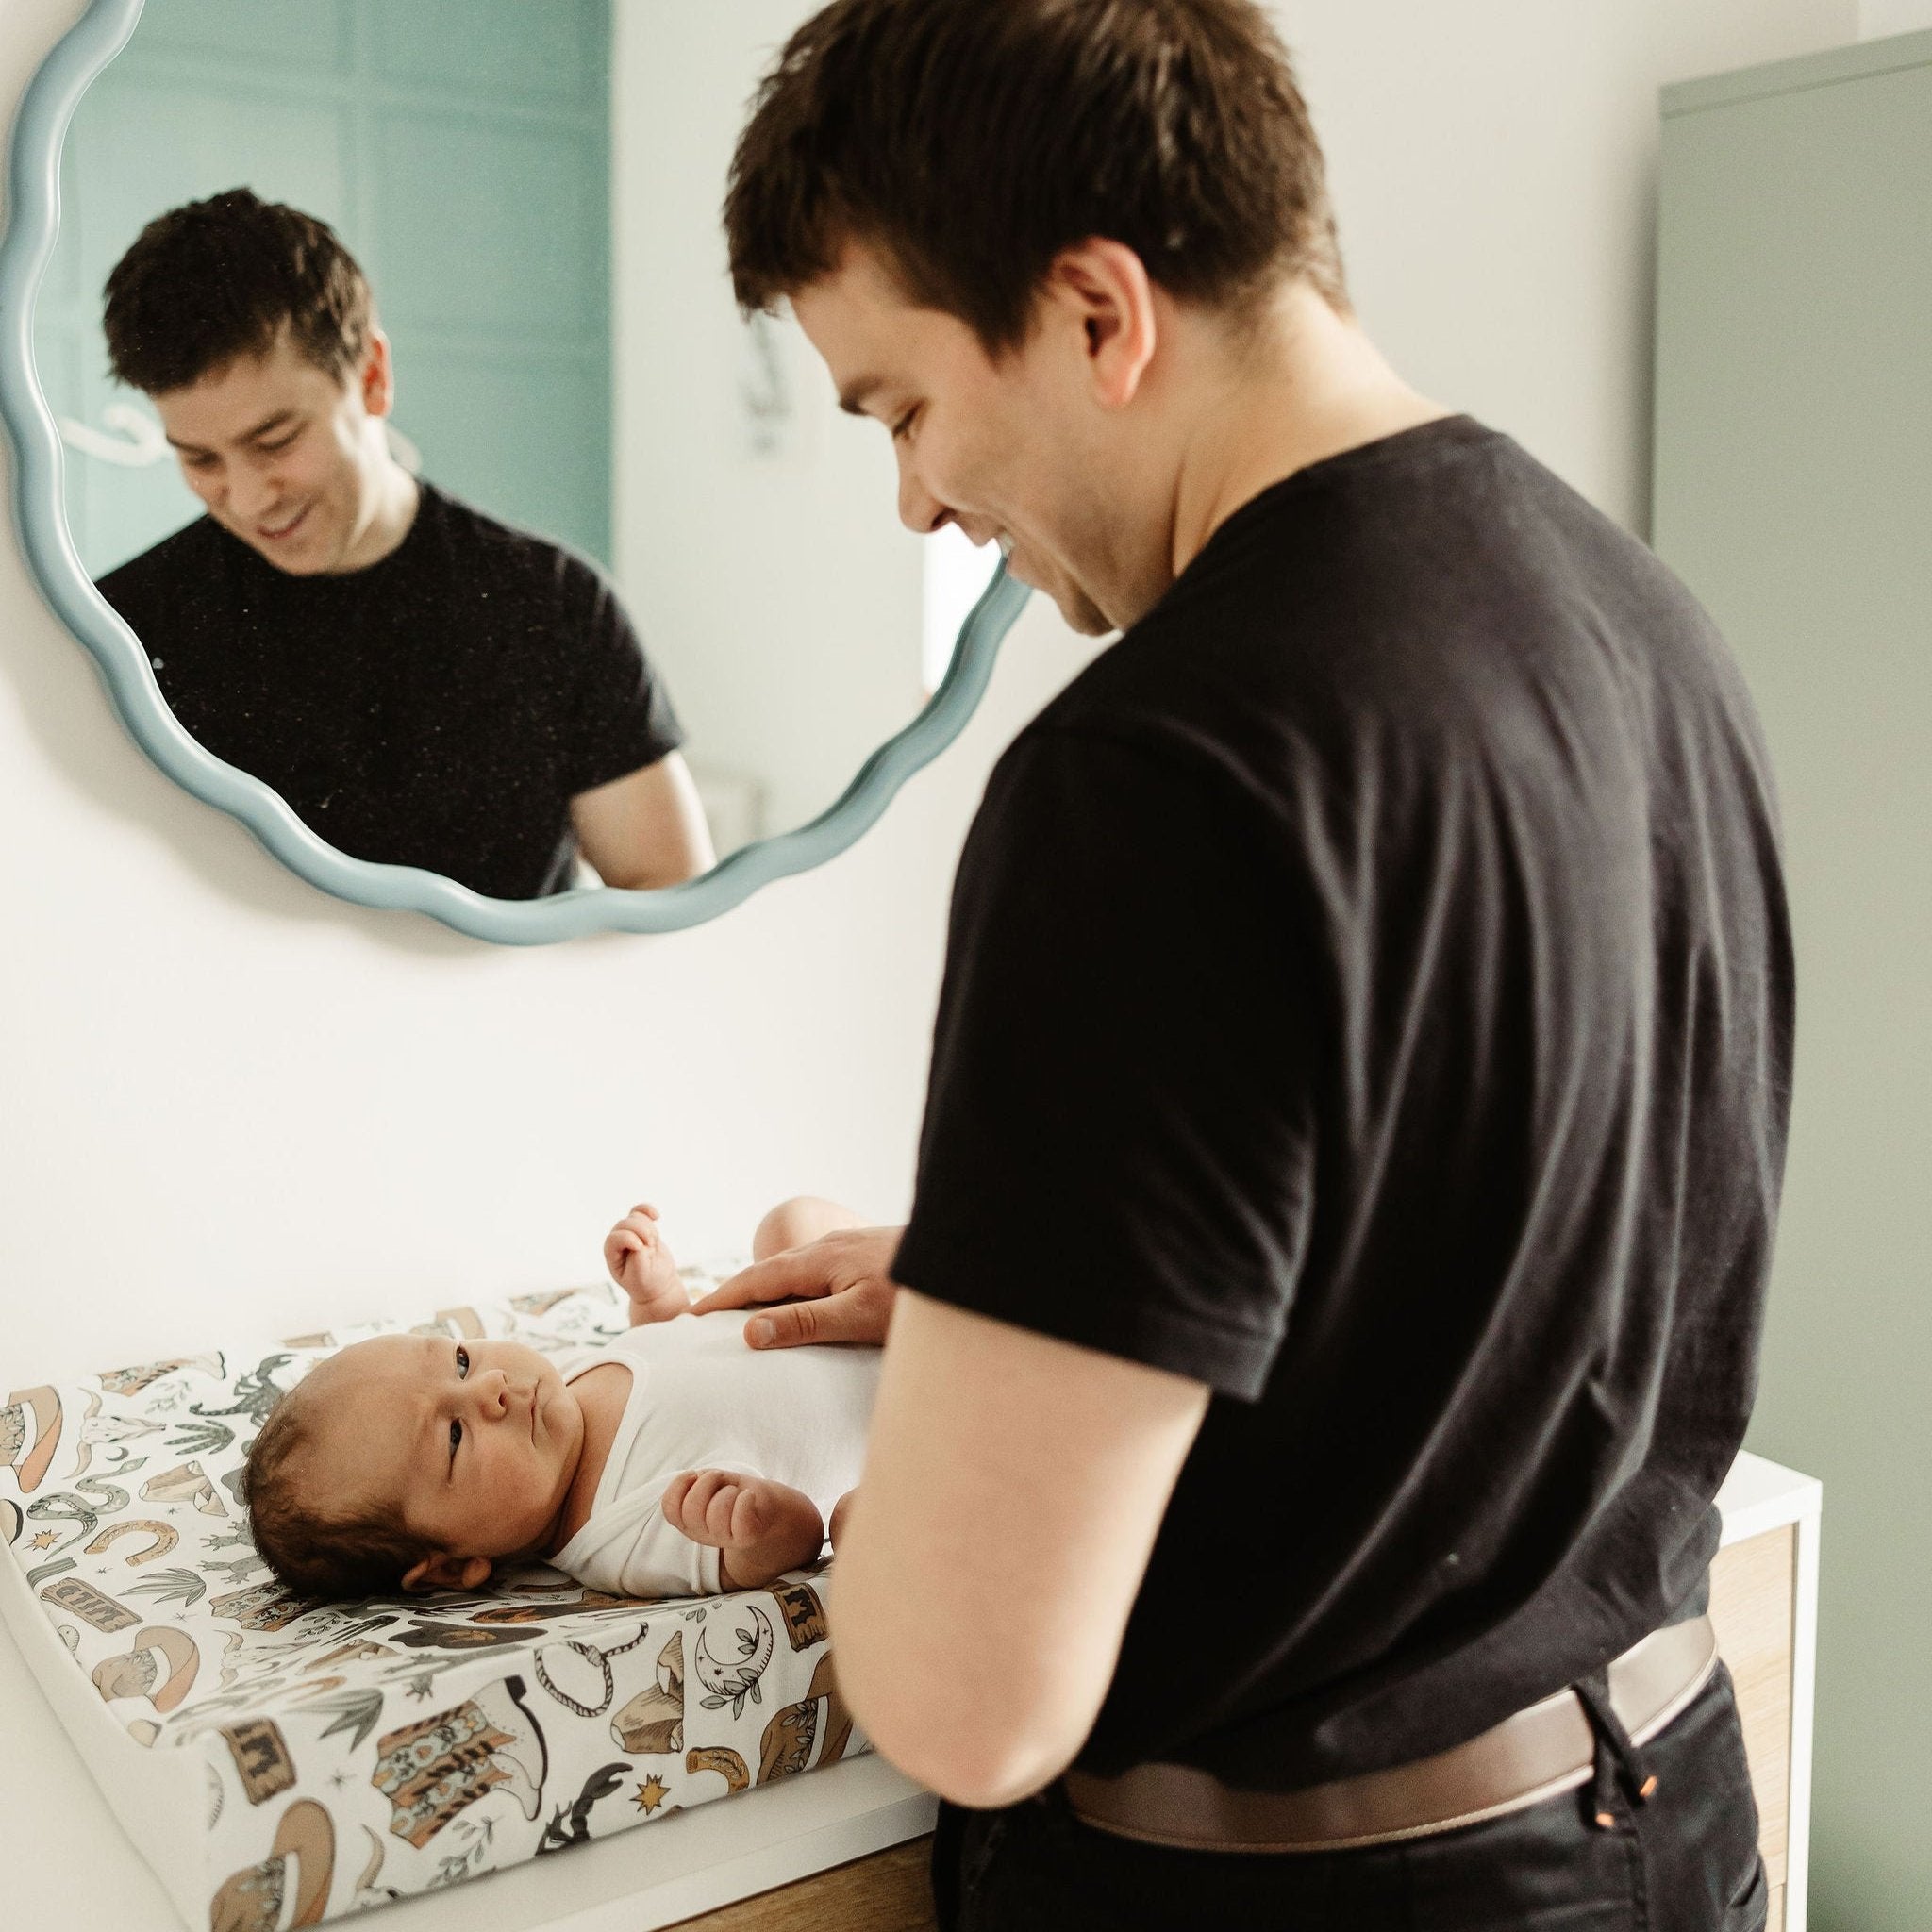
{"x": 439, "y": 708}
{"x": 1370, "y": 994}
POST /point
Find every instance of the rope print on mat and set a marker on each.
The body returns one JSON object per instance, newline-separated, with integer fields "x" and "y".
{"x": 372, "y": 1751}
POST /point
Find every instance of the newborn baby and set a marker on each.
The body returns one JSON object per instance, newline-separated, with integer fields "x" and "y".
{"x": 674, "y": 1461}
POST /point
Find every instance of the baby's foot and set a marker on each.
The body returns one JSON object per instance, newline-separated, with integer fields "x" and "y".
{"x": 761, "y": 1529}
{"x": 640, "y": 1264}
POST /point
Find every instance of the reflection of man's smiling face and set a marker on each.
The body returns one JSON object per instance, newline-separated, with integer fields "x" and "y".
{"x": 288, "y": 457}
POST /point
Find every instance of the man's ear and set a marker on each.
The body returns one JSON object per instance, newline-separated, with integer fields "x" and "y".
{"x": 1104, "y": 289}
{"x": 377, "y": 377}
{"x": 440, "y": 1570}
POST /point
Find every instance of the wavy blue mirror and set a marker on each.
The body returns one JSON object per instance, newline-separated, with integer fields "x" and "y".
{"x": 530, "y": 565}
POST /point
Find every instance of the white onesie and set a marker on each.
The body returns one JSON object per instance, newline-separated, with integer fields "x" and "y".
{"x": 700, "y": 1398}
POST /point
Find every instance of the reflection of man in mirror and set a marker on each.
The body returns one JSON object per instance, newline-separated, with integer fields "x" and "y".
{"x": 423, "y": 685}
{"x": 1333, "y": 1288}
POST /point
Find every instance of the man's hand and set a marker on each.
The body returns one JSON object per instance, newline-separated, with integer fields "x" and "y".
{"x": 640, "y": 1264}
{"x": 843, "y": 1281}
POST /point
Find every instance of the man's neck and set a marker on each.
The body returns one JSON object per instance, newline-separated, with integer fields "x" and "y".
{"x": 397, "y": 498}
{"x": 1309, "y": 386}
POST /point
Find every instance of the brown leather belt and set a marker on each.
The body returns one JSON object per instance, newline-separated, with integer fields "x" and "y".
{"x": 1544, "y": 1749}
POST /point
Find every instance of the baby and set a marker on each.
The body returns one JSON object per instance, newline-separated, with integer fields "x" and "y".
{"x": 674, "y": 1461}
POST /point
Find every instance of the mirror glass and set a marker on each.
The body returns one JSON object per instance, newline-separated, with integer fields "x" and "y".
{"x": 602, "y": 501}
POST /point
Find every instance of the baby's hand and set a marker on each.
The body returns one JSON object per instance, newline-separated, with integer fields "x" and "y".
{"x": 640, "y": 1264}
{"x": 761, "y": 1529}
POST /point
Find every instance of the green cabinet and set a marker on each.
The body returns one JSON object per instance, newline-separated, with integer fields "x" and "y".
{"x": 1793, "y": 492}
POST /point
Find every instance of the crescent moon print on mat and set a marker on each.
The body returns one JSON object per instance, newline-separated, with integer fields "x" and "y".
{"x": 732, "y": 1683}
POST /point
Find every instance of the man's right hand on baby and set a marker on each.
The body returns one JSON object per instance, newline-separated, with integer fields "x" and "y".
{"x": 641, "y": 1265}
{"x": 844, "y": 1278}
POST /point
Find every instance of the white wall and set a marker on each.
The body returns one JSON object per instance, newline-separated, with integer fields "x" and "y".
{"x": 1878, "y": 19}
{"x": 779, "y": 594}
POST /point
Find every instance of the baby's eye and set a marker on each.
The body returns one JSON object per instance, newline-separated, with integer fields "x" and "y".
{"x": 455, "y": 1437}
{"x": 463, "y": 1361}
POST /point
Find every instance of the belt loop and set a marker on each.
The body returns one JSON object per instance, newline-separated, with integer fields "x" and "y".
{"x": 1614, "y": 1751}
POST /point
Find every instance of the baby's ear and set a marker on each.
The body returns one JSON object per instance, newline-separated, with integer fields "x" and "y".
{"x": 440, "y": 1570}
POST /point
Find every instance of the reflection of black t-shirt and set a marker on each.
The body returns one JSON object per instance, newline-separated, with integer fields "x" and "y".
{"x": 439, "y": 708}
{"x": 1370, "y": 994}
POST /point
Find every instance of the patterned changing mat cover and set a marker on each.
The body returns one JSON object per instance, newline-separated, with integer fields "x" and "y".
{"x": 368, "y": 1752}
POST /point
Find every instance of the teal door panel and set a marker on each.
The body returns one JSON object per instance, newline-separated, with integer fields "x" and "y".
{"x": 555, "y": 54}
{"x": 470, "y": 406}
{"x": 140, "y": 145}
{"x": 281, "y": 34}
{"x": 451, "y": 192}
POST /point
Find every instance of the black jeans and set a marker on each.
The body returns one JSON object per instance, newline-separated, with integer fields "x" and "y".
{"x": 1686, "y": 1862}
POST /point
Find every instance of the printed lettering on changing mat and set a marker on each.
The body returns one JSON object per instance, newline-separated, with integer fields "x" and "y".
{"x": 355, "y": 1754}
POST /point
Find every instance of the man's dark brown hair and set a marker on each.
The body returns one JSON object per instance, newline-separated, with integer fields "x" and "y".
{"x": 972, "y": 140}
{"x": 329, "y": 1558}
{"x": 218, "y": 279}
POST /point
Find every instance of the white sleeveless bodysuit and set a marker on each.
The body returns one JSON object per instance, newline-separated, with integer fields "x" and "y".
{"x": 701, "y": 1399}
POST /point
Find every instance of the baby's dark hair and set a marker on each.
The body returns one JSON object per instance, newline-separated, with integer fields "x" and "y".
{"x": 332, "y": 1559}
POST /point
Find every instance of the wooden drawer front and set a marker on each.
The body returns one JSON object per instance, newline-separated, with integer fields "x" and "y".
{"x": 1752, "y": 1595}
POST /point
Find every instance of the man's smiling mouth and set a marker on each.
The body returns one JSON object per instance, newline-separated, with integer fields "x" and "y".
{"x": 288, "y": 529}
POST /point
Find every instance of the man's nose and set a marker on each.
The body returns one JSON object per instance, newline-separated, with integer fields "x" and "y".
{"x": 250, "y": 496}
{"x": 919, "y": 511}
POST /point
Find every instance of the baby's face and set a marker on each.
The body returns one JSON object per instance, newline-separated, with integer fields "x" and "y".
{"x": 472, "y": 1444}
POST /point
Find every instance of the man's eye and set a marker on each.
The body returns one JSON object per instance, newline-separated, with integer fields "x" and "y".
{"x": 272, "y": 447}
{"x": 903, "y": 424}
{"x": 463, "y": 1361}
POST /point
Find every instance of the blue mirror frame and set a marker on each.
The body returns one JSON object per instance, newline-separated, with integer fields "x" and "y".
{"x": 39, "y": 516}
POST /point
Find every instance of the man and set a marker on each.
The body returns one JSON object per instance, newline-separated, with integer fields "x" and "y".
{"x": 1332, "y": 1292}
{"x": 422, "y": 684}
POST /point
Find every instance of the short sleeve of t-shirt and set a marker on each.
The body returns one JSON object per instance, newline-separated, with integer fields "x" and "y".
{"x": 622, "y": 712}
{"x": 1117, "y": 1140}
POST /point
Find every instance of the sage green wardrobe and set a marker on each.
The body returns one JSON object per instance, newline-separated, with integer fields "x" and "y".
{"x": 1793, "y": 493}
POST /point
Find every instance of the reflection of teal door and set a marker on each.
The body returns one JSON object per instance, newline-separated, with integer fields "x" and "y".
{"x": 462, "y": 150}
